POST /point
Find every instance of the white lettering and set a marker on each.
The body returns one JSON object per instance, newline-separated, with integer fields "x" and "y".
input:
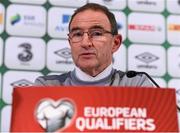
{"x": 150, "y": 125}
{"x": 80, "y": 123}
{"x": 115, "y": 118}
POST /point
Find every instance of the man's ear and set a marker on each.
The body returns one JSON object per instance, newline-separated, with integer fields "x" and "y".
{"x": 117, "y": 42}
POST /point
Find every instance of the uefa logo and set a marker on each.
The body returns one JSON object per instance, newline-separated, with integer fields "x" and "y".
{"x": 54, "y": 115}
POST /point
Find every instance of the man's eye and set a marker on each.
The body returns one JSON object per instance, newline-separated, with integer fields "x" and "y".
{"x": 77, "y": 34}
{"x": 96, "y": 33}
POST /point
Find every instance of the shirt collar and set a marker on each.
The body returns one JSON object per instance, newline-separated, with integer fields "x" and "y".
{"x": 85, "y": 77}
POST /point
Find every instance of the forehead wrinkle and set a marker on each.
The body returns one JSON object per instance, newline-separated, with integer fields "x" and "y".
{"x": 82, "y": 24}
{"x": 92, "y": 27}
{"x": 85, "y": 21}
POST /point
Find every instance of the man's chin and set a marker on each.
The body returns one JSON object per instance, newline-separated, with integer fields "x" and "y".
{"x": 87, "y": 67}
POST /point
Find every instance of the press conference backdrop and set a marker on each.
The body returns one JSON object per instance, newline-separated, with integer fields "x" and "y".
{"x": 33, "y": 42}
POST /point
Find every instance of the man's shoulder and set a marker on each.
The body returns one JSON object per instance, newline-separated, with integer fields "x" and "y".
{"x": 131, "y": 79}
{"x": 51, "y": 79}
{"x": 119, "y": 72}
{"x": 54, "y": 77}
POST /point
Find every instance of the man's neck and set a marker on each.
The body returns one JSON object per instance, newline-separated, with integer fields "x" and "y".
{"x": 86, "y": 77}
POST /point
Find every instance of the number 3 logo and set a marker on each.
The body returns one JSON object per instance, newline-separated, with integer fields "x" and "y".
{"x": 26, "y": 54}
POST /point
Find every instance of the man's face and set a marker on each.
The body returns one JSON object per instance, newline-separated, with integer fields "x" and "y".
{"x": 89, "y": 54}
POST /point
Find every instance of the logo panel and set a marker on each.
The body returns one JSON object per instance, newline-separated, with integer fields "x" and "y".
{"x": 13, "y": 79}
{"x": 173, "y": 57}
{"x": 59, "y": 56}
{"x": 22, "y": 21}
{"x": 121, "y": 23}
{"x": 119, "y": 58}
{"x": 25, "y": 53}
{"x": 173, "y": 6}
{"x": 147, "y": 5}
{"x": 175, "y": 83}
{"x": 173, "y": 29}
{"x": 74, "y": 3}
{"x": 29, "y": 1}
{"x": 111, "y": 4}
{"x": 5, "y": 118}
{"x": 58, "y": 21}
{"x": 142, "y": 28}
{"x": 1, "y": 51}
{"x": 2, "y": 12}
{"x": 150, "y": 59}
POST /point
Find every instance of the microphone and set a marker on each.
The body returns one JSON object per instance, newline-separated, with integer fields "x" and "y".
{"x": 131, "y": 74}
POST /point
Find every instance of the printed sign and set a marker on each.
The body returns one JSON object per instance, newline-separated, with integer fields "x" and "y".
{"x": 93, "y": 109}
{"x": 26, "y": 20}
{"x": 29, "y": 1}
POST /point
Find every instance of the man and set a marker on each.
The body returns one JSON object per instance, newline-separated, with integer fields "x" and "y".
{"x": 93, "y": 37}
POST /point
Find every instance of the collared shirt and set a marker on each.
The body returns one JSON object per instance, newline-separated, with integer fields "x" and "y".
{"x": 85, "y": 77}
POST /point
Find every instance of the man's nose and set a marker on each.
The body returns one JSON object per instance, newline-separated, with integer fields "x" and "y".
{"x": 86, "y": 40}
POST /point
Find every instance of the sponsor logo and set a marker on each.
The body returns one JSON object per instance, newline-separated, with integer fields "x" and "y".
{"x": 26, "y": 54}
{"x": 64, "y": 53}
{"x": 119, "y": 26}
{"x": 53, "y": 115}
{"x": 147, "y": 58}
{"x": 22, "y": 82}
{"x": 65, "y": 18}
{"x": 174, "y": 27}
{"x": 1, "y": 18}
{"x": 15, "y": 19}
{"x": 144, "y": 27}
{"x": 62, "y": 24}
{"x": 29, "y": 20}
{"x": 147, "y": 2}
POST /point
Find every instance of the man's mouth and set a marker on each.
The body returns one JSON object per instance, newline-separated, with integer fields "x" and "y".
{"x": 87, "y": 54}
